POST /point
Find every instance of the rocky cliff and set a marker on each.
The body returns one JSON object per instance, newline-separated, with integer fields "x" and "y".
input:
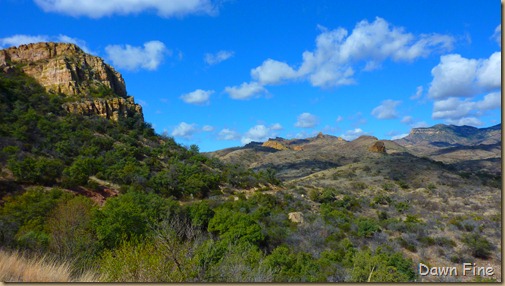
{"x": 107, "y": 108}
{"x": 66, "y": 69}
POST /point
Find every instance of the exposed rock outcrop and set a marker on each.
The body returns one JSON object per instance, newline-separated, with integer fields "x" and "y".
{"x": 378, "y": 147}
{"x": 275, "y": 145}
{"x": 107, "y": 108}
{"x": 63, "y": 68}
{"x": 66, "y": 69}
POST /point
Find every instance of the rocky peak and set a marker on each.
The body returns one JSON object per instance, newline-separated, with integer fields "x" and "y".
{"x": 63, "y": 68}
{"x": 66, "y": 69}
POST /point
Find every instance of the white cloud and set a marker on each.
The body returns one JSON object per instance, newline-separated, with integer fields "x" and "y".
{"x": 306, "y": 120}
{"x": 497, "y": 35}
{"x": 330, "y": 64}
{"x": 257, "y": 133}
{"x": 276, "y": 126}
{"x": 386, "y": 110}
{"x": 128, "y": 57}
{"x": 272, "y": 72}
{"x": 490, "y": 101}
{"x": 212, "y": 59}
{"x": 198, "y": 96}
{"x": 338, "y": 53}
{"x": 352, "y": 134}
{"x": 399, "y": 136}
{"x": 184, "y": 130}
{"x": 98, "y": 9}
{"x": 454, "y": 109}
{"x": 472, "y": 121}
{"x": 407, "y": 119}
{"x": 227, "y": 134}
{"x": 17, "y": 40}
{"x": 207, "y": 128}
{"x": 245, "y": 90}
{"x": 456, "y": 76}
{"x": 489, "y": 72}
{"x": 339, "y": 119}
{"x": 419, "y": 93}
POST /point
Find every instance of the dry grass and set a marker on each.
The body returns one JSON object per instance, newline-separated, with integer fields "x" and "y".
{"x": 15, "y": 267}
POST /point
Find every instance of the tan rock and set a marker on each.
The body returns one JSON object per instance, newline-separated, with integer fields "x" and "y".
{"x": 113, "y": 108}
{"x": 378, "y": 147}
{"x": 63, "y": 68}
{"x": 296, "y": 217}
{"x": 275, "y": 144}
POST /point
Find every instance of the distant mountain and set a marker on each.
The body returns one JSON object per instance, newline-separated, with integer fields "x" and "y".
{"x": 465, "y": 147}
{"x": 295, "y": 158}
{"x": 442, "y": 135}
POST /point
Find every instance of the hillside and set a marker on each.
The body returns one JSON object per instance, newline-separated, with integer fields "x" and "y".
{"x": 464, "y": 147}
{"x": 87, "y": 184}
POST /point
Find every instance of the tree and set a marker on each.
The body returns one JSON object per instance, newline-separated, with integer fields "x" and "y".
{"x": 128, "y": 216}
{"x": 70, "y": 232}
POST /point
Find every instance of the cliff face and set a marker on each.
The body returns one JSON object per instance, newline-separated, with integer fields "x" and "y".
{"x": 63, "y": 68}
{"x": 66, "y": 69}
{"x": 107, "y": 108}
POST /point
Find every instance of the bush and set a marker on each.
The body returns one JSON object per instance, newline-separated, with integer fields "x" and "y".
{"x": 367, "y": 227}
{"x": 236, "y": 227}
{"x": 129, "y": 216}
{"x": 478, "y": 245}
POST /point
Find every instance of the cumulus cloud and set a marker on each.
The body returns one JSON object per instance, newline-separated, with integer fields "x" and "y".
{"x": 272, "y": 72}
{"x": 227, "y": 134}
{"x": 338, "y": 53}
{"x": 352, "y": 134}
{"x": 184, "y": 130}
{"x": 456, "y": 110}
{"x": 276, "y": 126}
{"x": 98, "y": 9}
{"x": 387, "y": 110}
{"x": 20, "y": 39}
{"x": 198, "y": 97}
{"x": 207, "y": 128}
{"x": 245, "y": 90}
{"x": 471, "y": 121}
{"x": 212, "y": 59}
{"x": 128, "y": 57}
{"x": 456, "y": 76}
{"x": 257, "y": 133}
{"x": 306, "y": 120}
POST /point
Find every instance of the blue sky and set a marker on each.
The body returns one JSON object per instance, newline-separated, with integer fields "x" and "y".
{"x": 223, "y": 73}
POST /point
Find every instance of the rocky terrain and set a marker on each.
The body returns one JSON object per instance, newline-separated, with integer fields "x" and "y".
{"x": 66, "y": 69}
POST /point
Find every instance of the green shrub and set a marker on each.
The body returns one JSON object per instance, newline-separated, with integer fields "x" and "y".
{"x": 367, "y": 227}
{"x": 478, "y": 245}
